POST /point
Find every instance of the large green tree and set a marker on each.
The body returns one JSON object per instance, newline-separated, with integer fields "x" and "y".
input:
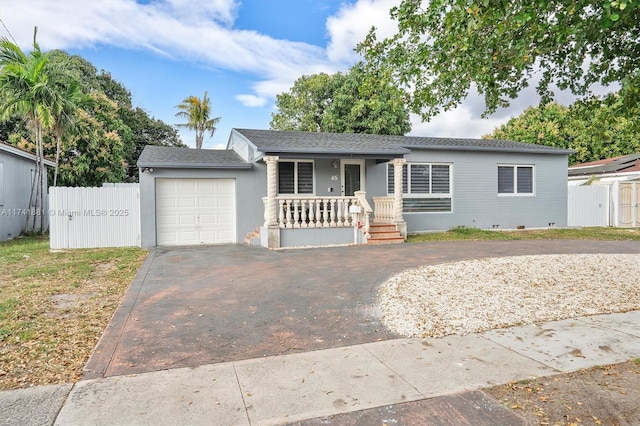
{"x": 96, "y": 152}
{"x": 145, "y": 130}
{"x": 31, "y": 88}
{"x": 354, "y": 102}
{"x": 97, "y": 134}
{"x": 303, "y": 107}
{"x": 445, "y": 48}
{"x": 66, "y": 116}
{"x": 591, "y": 128}
{"x": 136, "y": 128}
{"x": 197, "y": 112}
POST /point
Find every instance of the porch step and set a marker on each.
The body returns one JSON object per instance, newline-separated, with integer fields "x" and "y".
{"x": 384, "y": 233}
{"x": 253, "y": 237}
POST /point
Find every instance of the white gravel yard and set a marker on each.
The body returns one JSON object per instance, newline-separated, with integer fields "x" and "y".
{"x": 483, "y": 294}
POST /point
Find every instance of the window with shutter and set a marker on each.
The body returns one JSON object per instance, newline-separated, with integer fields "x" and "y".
{"x": 286, "y": 183}
{"x": 515, "y": 180}
{"x": 405, "y": 179}
{"x": 505, "y": 180}
{"x": 305, "y": 178}
{"x": 426, "y": 187}
{"x": 295, "y": 177}
{"x": 525, "y": 180}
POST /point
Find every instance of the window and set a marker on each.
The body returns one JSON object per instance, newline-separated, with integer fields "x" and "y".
{"x": 295, "y": 177}
{"x": 515, "y": 180}
{"x": 426, "y": 187}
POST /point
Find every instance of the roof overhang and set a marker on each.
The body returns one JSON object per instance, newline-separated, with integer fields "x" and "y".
{"x": 168, "y": 165}
{"x": 491, "y": 149}
{"x": 24, "y": 154}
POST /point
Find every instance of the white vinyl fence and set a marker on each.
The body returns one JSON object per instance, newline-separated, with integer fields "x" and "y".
{"x": 94, "y": 217}
{"x": 588, "y": 206}
{"x": 615, "y": 204}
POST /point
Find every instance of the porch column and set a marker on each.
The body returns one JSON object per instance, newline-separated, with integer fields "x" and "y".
{"x": 271, "y": 205}
{"x": 398, "y": 218}
{"x": 271, "y": 217}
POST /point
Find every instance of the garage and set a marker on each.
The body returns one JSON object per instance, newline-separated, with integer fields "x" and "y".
{"x": 195, "y": 211}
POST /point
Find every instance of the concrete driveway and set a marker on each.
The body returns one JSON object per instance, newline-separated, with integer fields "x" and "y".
{"x": 193, "y": 306}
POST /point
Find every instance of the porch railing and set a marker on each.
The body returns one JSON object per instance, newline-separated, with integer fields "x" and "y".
{"x": 365, "y": 213}
{"x": 383, "y": 209}
{"x": 314, "y": 212}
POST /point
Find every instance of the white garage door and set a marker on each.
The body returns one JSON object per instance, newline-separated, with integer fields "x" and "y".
{"x": 195, "y": 211}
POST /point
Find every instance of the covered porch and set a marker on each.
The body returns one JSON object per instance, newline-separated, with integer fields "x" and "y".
{"x": 307, "y": 217}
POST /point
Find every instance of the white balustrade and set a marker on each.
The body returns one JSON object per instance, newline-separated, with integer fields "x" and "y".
{"x": 314, "y": 212}
{"x": 384, "y": 210}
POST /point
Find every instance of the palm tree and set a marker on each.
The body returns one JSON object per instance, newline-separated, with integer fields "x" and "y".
{"x": 197, "y": 112}
{"x": 27, "y": 90}
{"x": 65, "y": 115}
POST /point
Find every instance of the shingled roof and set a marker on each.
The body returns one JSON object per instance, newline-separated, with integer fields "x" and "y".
{"x": 621, "y": 164}
{"x": 168, "y": 156}
{"x": 273, "y": 141}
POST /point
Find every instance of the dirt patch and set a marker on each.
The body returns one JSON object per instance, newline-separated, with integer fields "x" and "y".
{"x": 603, "y": 395}
{"x": 104, "y": 268}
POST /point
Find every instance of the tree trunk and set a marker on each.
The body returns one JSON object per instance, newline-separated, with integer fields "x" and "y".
{"x": 58, "y": 148}
{"x": 199, "y": 138}
{"x": 39, "y": 157}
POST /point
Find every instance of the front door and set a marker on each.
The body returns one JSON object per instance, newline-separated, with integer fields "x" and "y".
{"x": 352, "y": 177}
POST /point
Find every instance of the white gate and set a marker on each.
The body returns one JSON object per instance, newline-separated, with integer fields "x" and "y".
{"x": 94, "y": 217}
{"x": 629, "y": 204}
{"x": 588, "y": 206}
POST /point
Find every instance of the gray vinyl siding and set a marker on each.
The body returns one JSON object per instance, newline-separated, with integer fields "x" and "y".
{"x": 15, "y": 182}
{"x": 251, "y": 187}
{"x": 475, "y": 199}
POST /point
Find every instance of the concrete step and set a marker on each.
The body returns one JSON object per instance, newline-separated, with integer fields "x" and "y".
{"x": 396, "y": 240}
{"x": 253, "y": 238}
{"x": 384, "y": 233}
{"x": 376, "y": 227}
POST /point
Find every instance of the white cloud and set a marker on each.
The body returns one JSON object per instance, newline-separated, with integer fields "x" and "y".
{"x": 170, "y": 28}
{"x": 202, "y": 32}
{"x": 458, "y": 123}
{"x": 352, "y": 24}
{"x": 251, "y": 101}
{"x": 222, "y": 11}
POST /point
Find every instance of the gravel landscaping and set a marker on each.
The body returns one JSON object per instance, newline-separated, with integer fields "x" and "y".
{"x": 483, "y": 294}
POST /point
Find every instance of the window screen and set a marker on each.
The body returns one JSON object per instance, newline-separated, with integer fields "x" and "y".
{"x": 286, "y": 183}
{"x": 515, "y": 179}
{"x": 305, "y": 178}
{"x": 525, "y": 180}
{"x": 295, "y": 177}
{"x": 505, "y": 180}
{"x": 427, "y": 187}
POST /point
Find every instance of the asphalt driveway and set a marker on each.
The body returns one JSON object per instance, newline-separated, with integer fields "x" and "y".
{"x": 192, "y": 306}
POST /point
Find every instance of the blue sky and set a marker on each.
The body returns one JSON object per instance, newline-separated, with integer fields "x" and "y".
{"x": 242, "y": 52}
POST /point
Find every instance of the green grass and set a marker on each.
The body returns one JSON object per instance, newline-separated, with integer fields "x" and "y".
{"x": 54, "y": 306}
{"x": 473, "y": 234}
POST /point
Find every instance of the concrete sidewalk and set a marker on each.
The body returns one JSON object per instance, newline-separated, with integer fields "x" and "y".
{"x": 288, "y": 388}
